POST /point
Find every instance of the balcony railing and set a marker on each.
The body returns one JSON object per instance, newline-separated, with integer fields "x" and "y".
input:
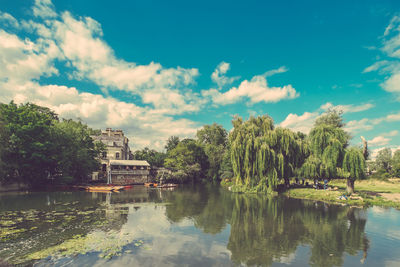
{"x": 130, "y": 172}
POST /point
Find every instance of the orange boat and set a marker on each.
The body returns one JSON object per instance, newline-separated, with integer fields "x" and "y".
{"x": 104, "y": 188}
{"x": 150, "y": 184}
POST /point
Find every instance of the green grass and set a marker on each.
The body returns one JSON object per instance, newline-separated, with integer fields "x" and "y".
{"x": 367, "y": 193}
{"x": 378, "y": 186}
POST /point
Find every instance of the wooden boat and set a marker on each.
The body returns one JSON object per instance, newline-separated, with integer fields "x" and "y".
{"x": 104, "y": 188}
{"x": 150, "y": 184}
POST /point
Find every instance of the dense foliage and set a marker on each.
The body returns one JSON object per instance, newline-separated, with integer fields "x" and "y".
{"x": 153, "y": 157}
{"x": 354, "y": 166}
{"x": 385, "y": 164}
{"x": 36, "y": 146}
{"x": 262, "y": 155}
{"x": 187, "y": 160}
{"x": 213, "y": 138}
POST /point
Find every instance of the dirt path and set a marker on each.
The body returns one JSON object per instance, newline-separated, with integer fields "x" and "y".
{"x": 391, "y": 196}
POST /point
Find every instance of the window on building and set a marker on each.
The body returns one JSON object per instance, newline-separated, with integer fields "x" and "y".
{"x": 104, "y": 155}
{"x": 117, "y": 155}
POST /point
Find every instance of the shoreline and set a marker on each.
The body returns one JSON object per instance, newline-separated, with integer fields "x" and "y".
{"x": 371, "y": 192}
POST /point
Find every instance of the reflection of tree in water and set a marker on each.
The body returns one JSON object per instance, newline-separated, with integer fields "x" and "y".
{"x": 216, "y": 213}
{"x": 265, "y": 230}
{"x": 261, "y": 231}
{"x": 185, "y": 202}
{"x": 210, "y": 207}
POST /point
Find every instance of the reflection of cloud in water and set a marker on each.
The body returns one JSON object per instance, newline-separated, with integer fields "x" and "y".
{"x": 166, "y": 243}
{"x": 287, "y": 259}
{"x": 384, "y": 222}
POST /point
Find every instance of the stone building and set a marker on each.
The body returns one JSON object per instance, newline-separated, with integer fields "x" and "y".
{"x": 116, "y": 166}
{"x": 116, "y": 143}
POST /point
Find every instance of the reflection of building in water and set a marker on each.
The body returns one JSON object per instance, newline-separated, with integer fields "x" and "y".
{"x": 116, "y": 166}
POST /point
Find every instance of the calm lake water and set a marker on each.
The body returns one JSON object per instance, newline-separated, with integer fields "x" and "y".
{"x": 192, "y": 226}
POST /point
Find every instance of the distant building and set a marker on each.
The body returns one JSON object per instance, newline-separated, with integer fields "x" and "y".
{"x": 116, "y": 166}
{"x": 116, "y": 143}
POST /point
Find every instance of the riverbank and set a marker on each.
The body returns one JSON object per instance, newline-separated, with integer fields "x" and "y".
{"x": 367, "y": 193}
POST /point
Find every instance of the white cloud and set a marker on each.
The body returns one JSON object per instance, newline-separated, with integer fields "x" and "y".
{"x": 393, "y": 117}
{"x": 382, "y": 139}
{"x": 305, "y": 122}
{"x": 393, "y": 24}
{"x": 391, "y": 133}
{"x": 379, "y": 141}
{"x": 8, "y": 20}
{"x": 348, "y": 108}
{"x": 83, "y": 49}
{"x": 359, "y": 125}
{"x": 367, "y": 124}
{"x": 256, "y": 90}
{"x": 302, "y": 123}
{"x": 376, "y": 66}
{"x": 44, "y": 9}
{"x": 374, "y": 152}
{"x": 218, "y": 76}
{"x": 24, "y": 62}
{"x": 391, "y": 49}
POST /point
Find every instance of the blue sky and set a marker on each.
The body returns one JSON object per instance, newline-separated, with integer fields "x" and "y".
{"x": 161, "y": 68}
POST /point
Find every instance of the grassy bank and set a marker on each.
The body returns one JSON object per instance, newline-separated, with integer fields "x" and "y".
{"x": 367, "y": 193}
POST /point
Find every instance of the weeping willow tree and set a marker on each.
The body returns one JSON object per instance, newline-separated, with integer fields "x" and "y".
{"x": 262, "y": 155}
{"x": 354, "y": 165}
{"x": 328, "y": 142}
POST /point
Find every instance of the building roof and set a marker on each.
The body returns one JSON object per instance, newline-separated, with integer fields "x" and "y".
{"x": 129, "y": 162}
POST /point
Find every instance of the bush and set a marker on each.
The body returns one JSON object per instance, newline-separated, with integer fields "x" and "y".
{"x": 381, "y": 174}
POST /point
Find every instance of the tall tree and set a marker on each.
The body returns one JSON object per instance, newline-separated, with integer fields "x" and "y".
{"x": 187, "y": 160}
{"x": 30, "y": 153}
{"x": 172, "y": 142}
{"x": 214, "y": 139}
{"x": 77, "y": 153}
{"x": 35, "y": 146}
{"x": 332, "y": 117}
{"x": 328, "y": 142}
{"x": 383, "y": 159}
{"x": 354, "y": 165}
{"x": 262, "y": 155}
{"x": 396, "y": 163}
{"x": 153, "y": 157}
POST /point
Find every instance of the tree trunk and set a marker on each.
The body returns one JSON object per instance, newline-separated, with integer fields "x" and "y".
{"x": 287, "y": 182}
{"x": 350, "y": 186}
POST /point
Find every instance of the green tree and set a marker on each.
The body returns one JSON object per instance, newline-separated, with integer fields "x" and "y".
{"x": 214, "y": 139}
{"x": 327, "y": 141}
{"x": 153, "y": 157}
{"x": 29, "y": 155}
{"x": 354, "y": 165}
{"x": 172, "y": 142}
{"x": 396, "y": 163}
{"x": 383, "y": 159}
{"x": 226, "y": 169}
{"x": 262, "y": 155}
{"x": 77, "y": 153}
{"x": 332, "y": 117}
{"x": 35, "y": 146}
{"x": 188, "y": 161}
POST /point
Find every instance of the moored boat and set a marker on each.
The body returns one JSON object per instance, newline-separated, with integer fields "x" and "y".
{"x": 150, "y": 184}
{"x": 104, "y": 188}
